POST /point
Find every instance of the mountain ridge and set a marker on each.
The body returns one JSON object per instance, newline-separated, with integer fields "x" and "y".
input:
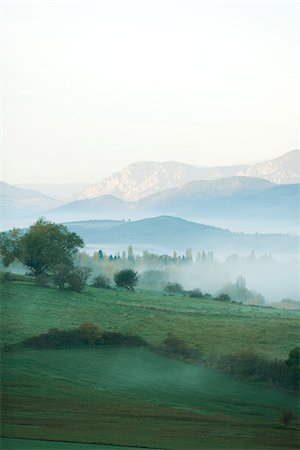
{"x": 144, "y": 178}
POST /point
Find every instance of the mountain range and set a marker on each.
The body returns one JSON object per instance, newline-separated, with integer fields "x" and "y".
{"x": 145, "y": 178}
{"x": 230, "y": 197}
{"x": 236, "y": 202}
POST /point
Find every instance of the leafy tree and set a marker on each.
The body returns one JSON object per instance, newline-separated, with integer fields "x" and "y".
{"x": 42, "y": 247}
{"x": 127, "y": 279}
{"x": 9, "y": 246}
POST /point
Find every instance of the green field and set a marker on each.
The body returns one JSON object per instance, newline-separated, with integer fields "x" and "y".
{"x": 133, "y": 397}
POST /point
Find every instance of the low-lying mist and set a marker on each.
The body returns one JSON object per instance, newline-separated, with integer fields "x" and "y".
{"x": 275, "y": 279}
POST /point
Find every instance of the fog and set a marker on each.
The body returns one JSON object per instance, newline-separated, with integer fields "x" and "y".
{"x": 274, "y": 278}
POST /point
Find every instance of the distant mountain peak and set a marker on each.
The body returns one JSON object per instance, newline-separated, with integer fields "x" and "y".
{"x": 144, "y": 178}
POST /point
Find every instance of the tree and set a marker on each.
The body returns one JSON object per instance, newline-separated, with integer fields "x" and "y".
{"x": 130, "y": 254}
{"x": 42, "y": 247}
{"x": 9, "y": 246}
{"x": 127, "y": 279}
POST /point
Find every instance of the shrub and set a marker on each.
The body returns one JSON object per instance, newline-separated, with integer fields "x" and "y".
{"x": 286, "y": 417}
{"x": 6, "y": 277}
{"x": 115, "y": 338}
{"x": 9, "y": 277}
{"x": 126, "y": 279}
{"x": 78, "y": 278}
{"x": 60, "y": 274}
{"x": 175, "y": 346}
{"x": 101, "y": 282}
{"x": 54, "y": 339}
{"x": 223, "y": 298}
{"x": 42, "y": 280}
{"x": 89, "y": 333}
{"x": 196, "y": 293}
{"x": 174, "y": 288}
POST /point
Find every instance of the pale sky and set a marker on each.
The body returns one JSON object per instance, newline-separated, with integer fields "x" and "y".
{"x": 89, "y": 87}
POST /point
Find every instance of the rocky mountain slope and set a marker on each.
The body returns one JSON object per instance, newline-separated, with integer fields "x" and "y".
{"x": 145, "y": 178}
{"x": 148, "y": 177}
{"x": 282, "y": 170}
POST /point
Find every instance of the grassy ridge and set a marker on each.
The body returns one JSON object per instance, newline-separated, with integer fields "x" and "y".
{"x": 212, "y": 327}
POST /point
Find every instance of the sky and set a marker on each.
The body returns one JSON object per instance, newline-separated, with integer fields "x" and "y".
{"x": 89, "y": 87}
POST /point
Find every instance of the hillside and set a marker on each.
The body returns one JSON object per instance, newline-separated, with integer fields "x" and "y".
{"x": 282, "y": 170}
{"x": 239, "y": 203}
{"x": 61, "y": 191}
{"x": 21, "y": 206}
{"x": 172, "y": 233}
{"x": 135, "y": 397}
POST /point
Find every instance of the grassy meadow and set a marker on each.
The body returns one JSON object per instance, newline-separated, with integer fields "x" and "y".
{"x": 134, "y": 397}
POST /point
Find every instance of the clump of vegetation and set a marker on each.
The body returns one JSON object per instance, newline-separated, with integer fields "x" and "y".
{"x": 195, "y": 293}
{"x": 255, "y": 367}
{"x": 60, "y": 274}
{"x": 176, "y": 347}
{"x": 42, "y": 280}
{"x": 101, "y": 282}
{"x": 88, "y": 334}
{"x": 126, "y": 279}
{"x": 7, "y": 277}
{"x": 286, "y": 417}
{"x": 238, "y": 292}
{"x": 78, "y": 277}
{"x": 223, "y": 298}
{"x": 174, "y": 288}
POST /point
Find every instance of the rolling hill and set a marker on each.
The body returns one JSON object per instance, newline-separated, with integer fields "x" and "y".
{"x": 238, "y": 203}
{"x": 171, "y": 233}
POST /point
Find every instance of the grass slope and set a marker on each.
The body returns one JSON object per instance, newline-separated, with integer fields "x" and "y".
{"x": 212, "y": 327}
{"x": 134, "y": 397}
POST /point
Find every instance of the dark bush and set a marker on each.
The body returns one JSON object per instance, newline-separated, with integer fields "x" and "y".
{"x": 78, "y": 278}
{"x": 223, "y": 298}
{"x": 6, "y": 277}
{"x": 42, "y": 280}
{"x": 196, "y": 293}
{"x": 286, "y": 417}
{"x": 89, "y": 333}
{"x": 174, "y": 288}
{"x": 54, "y": 339}
{"x": 255, "y": 367}
{"x": 174, "y": 346}
{"x": 126, "y": 279}
{"x": 101, "y": 282}
{"x": 9, "y": 277}
{"x": 60, "y": 274}
{"x": 126, "y": 340}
